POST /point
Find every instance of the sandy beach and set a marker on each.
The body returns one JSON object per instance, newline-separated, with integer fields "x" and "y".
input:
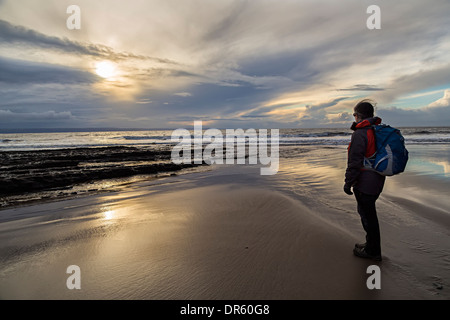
{"x": 230, "y": 233}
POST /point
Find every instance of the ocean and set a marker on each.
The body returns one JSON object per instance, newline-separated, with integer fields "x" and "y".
{"x": 89, "y": 138}
{"x": 61, "y": 162}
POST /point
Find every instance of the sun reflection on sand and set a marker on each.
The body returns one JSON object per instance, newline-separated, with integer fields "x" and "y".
{"x": 108, "y": 212}
{"x": 429, "y": 165}
{"x": 109, "y": 215}
{"x": 445, "y": 165}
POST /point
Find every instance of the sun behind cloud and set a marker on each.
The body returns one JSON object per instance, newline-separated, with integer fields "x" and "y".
{"x": 106, "y": 69}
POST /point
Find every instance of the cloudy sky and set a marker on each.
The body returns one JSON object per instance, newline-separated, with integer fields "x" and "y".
{"x": 230, "y": 63}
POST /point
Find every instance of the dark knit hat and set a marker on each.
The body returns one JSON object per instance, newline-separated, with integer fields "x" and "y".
{"x": 365, "y": 108}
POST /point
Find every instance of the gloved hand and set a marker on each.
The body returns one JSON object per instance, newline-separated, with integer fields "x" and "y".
{"x": 348, "y": 190}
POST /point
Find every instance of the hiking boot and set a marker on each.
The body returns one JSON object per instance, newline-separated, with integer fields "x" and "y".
{"x": 361, "y": 252}
{"x": 360, "y": 245}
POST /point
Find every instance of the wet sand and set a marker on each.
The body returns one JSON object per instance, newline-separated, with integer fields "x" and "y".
{"x": 228, "y": 233}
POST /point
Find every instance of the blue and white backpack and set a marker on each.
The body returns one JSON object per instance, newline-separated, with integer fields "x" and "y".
{"x": 391, "y": 156}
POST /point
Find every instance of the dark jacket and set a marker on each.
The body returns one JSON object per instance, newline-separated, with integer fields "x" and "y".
{"x": 363, "y": 145}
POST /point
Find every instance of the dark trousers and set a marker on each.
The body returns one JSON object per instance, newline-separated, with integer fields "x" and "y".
{"x": 369, "y": 219}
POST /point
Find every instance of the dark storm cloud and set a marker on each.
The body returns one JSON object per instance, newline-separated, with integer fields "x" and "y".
{"x": 8, "y": 115}
{"x": 322, "y": 106}
{"x": 416, "y": 82}
{"x": 416, "y": 117}
{"x": 294, "y": 65}
{"x": 25, "y": 72}
{"x": 362, "y": 87}
{"x": 19, "y": 35}
{"x": 318, "y": 112}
